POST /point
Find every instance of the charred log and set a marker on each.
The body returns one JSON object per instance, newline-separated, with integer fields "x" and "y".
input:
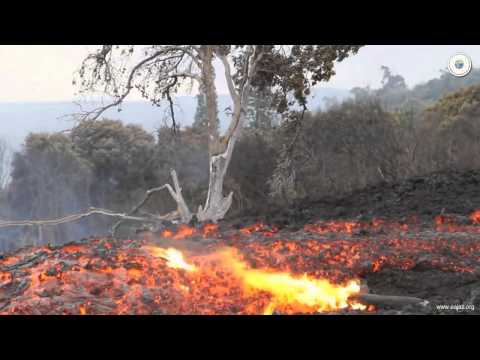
{"x": 390, "y": 301}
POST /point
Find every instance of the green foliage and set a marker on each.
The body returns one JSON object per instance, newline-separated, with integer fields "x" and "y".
{"x": 122, "y": 157}
{"x": 159, "y": 71}
{"x": 451, "y": 106}
{"x": 394, "y": 95}
{"x": 451, "y": 131}
{"x": 290, "y": 74}
{"x": 434, "y": 89}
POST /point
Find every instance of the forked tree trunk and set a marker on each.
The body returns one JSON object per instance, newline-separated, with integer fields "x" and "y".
{"x": 220, "y": 149}
{"x": 217, "y": 205}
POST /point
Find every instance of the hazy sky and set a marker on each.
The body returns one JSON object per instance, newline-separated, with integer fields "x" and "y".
{"x": 44, "y": 72}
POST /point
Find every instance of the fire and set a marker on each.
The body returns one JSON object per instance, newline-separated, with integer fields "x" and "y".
{"x": 174, "y": 258}
{"x": 302, "y": 294}
{"x": 475, "y": 217}
{"x": 284, "y": 291}
{"x": 333, "y": 226}
{"x": 259, "y": 228}
{"x": 291, "y": 294}
{"x": 183, "y": 232}
{"x": 274, "y": 271}
{"x": 167, "y": 233}
{"x": 209, "y": 229}
{"x": 83, "y": 309}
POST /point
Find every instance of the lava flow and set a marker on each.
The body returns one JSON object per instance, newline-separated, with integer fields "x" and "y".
{"x": 292, "y": 294}
{"x": 254, "y": 270}
{"x": 288, "y": 293}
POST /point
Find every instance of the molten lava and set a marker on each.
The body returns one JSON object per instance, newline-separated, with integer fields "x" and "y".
{"x": 174, "y": 258}
{"x": 475, "y": 217}
{"x": 291, "y": 294}
{"x": 256, "y": 270}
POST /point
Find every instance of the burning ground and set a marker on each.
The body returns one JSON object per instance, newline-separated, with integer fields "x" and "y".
{"x": 321, "y": 268}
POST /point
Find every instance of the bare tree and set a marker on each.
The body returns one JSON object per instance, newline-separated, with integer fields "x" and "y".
{"x": 160, "y": 70}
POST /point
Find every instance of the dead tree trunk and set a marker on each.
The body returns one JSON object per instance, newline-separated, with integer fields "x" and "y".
{"x": 221, "y": 149}
{"x": 216, "y": 205}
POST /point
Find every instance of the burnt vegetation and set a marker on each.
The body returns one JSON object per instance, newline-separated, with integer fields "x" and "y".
{"x": 374, "y": 140}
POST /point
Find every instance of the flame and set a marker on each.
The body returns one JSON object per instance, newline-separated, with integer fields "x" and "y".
{"x": 259, "y": 228}
{"x": 475, "y": 217}
{"x": 334, "y": 226}
{"x": 83, "y": 309}
{"x": 209, "y": 229}
{"x": 286, "y": 292}
{"x": 174, "y": 258}
{"x": 167, "y": 233}
{"x": 265, "y": 274}
{"x": 289, "y": 293}
{"x": 184, "y": 231}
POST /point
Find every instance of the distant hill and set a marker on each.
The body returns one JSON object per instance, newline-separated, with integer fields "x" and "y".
{"x": 18, "y": 119}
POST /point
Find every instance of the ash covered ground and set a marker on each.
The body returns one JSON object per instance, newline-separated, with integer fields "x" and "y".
{"x": 426, "y": 196}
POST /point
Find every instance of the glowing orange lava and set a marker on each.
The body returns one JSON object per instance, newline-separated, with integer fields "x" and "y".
{"x": 174, "y": 258}
{"x": 291, "y": 294}
{"x": 255, "y": 270}
{"x": 475, "y": 217}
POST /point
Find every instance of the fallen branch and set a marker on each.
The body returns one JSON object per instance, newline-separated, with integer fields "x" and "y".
{"x": 388, "y": 300}
{"x": 182, "y": 209}
{"x": 69, "y": 218}
{"x": 136, "y": 208}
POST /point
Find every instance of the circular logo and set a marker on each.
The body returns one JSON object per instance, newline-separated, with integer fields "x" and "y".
{"x": 459, "y": 65}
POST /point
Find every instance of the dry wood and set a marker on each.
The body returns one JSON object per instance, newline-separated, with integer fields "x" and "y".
{"x": 389, "y": 300}
{"x": 68, "y": 218}
{"x": 217, "y": 205}
{"x": 182, "y": 211}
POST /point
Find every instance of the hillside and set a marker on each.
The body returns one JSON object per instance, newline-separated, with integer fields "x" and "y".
{"x": 18, "y": 119}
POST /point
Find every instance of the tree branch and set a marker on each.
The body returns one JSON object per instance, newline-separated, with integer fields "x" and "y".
{"x": 244, "y": 91}
{"x": 390, "y": 301}
{"x": 68, "y": 218}
{"x": 96, "y": 113}
{"x": 176, "y": 194}
{"x": 228, "y": 77}
{"x": 182, "y": 209}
